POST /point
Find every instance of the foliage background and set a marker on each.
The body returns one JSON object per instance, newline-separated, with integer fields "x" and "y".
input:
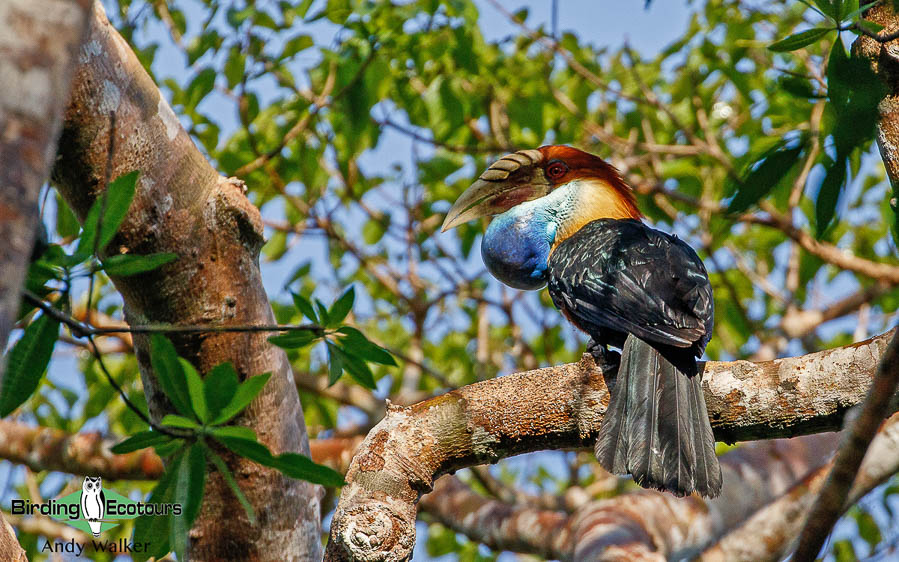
{"x": 356, "y": 123}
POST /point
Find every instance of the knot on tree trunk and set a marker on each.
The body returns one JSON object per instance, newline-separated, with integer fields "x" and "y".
{"x": 229, "y": 210}
{"x": 382, "y": 530}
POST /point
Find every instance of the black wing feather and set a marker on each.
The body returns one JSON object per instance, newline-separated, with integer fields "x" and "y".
{"x": 623, "y": 276}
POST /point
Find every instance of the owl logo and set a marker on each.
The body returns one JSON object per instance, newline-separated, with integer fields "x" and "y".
{"x": 93, "y": 503}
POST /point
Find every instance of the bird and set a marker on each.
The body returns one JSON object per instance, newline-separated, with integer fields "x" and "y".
{"x": 93, "y": 503}
{"x": 565, "y": 219}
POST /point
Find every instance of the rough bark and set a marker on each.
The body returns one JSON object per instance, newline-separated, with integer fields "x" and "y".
{"x": 37, "y": 45}
{"x": 884, "y": 59}
{"x": 182, "y": 205}
{"x": 484, "y": 422}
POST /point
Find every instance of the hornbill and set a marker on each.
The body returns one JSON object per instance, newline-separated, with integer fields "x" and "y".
{"x": 568, "y": 220}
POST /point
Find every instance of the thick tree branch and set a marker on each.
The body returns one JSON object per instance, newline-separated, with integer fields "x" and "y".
{"x": 485, "y": 422}
{"x": 183, "y": 205}
{"x": 44, "y": 448}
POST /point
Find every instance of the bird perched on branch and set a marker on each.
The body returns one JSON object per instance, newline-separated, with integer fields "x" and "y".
{"x": 568, "y": 220}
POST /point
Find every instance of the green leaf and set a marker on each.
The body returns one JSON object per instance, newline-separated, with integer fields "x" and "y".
{"x": 291, "y": 464}
{"x": 854, "y": 91}
{"x": 294, "y": 339}
{"x": 341, "y": 307}
{"x": 169, "y": 373}
{"x": 335, "y": 364}
{"x": 829, "y": 196}
{"x": 302, "y": 270}
{"x": 304, "y": 306}
{"x": 765, "y": 177}
{"x": 199, "y": 87}
{"x": 130, "y": 264}
{"x": 166, "y": 449}
{"x": 356, "y": 368}
{"x": 302, "y": 467}
{"x": 297, "y": 44}
{"x": 219, "y": 387}
{"x": 799, "y": 40}
{"x": 154, "y": 530}
{"x": 238, "y": 431}
{"x": 26, "y": 363}
{"x": 235, "y": 66}
{"x": 66, "y": 222}
{"x": 843, "y": 551}
{"x": 245, "y": 394}
{"x": 355, "y": 343}
{"x": 828, "y": 8}
{"x": 113, "y": 205}
{"x": 798, "y": 86}
{"x": 195, "y": 390}
{"x": 190, "y": 481}
{"x": 140, "y": 440}
{"x": 870, "y": 26}
{"x": 322, "y": 312}
{"x": 196, "y": 482}
{"x": 173, "y": 420}
{"x": 373, "y": 230}
{"x": 867, "y": 528}
{"x": 118, "y": 199}
{"x": 229, "y": 479}
{"x": 247, "y": 448}
{"x": 303, "y": 7}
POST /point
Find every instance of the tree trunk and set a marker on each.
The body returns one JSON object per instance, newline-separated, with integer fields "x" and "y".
{"x": 37, "y": 45}
{"x": 36, "y": 49}
{"x": 183, "y": 205}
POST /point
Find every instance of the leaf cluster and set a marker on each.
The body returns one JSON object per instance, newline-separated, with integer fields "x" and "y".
{"x": 196, "y": 437}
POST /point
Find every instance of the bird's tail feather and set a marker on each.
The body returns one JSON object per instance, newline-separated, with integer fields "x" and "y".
{"x": 657, "y": 426}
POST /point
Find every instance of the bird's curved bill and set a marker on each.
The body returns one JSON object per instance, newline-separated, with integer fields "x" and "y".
{"x": 510, "y": 181}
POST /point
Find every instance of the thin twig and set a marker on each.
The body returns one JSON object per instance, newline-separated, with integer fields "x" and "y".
{"x": 84, "y": 330}
{"x": 880, "y": 38}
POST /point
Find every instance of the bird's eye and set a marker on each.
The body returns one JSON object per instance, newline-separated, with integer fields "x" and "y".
{"x": 556, "y": 170}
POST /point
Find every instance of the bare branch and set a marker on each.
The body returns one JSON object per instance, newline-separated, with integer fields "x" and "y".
{"x": 843, "y": 259}
{"x": 44, "y": 448}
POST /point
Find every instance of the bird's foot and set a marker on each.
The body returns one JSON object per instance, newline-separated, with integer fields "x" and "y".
{"x": 605, "y": 358}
